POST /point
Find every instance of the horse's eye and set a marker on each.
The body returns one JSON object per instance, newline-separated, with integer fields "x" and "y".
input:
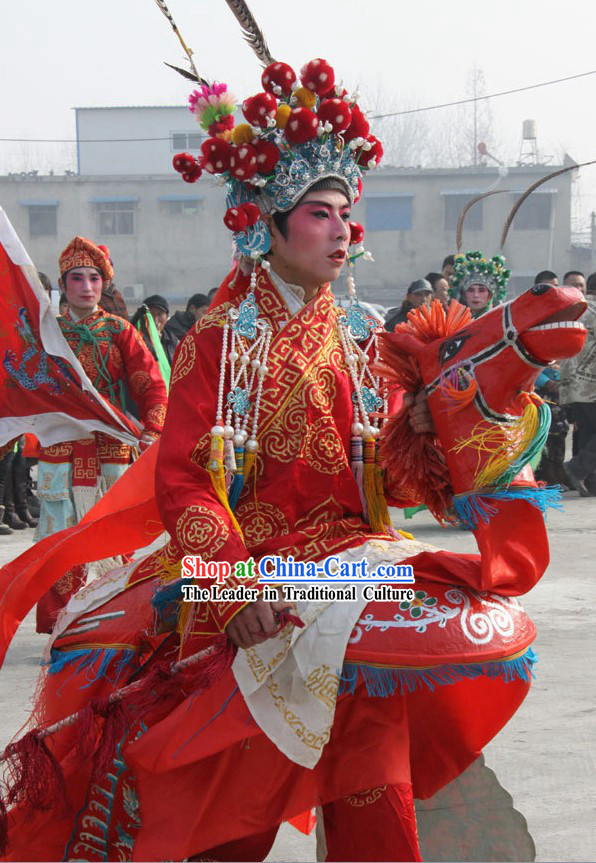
{"x": 451, "y": 348}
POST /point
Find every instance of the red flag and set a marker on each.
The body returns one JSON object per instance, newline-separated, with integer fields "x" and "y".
{"x": 44, "y": 389}
{"x": 124, "y": 519}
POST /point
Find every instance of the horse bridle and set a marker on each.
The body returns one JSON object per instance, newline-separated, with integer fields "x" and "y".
{"x": 509, "y": 339}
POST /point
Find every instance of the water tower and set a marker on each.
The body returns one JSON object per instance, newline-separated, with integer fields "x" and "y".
{"x": 528, "y": 152}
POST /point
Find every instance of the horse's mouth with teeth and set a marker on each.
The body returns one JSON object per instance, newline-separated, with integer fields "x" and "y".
{"x": 557, "y": 336}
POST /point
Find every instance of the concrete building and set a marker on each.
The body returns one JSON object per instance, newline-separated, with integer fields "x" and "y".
{"x": 133, "y": 140}
{"x": 410, "y": 216}
{"x": 166, "y": 236}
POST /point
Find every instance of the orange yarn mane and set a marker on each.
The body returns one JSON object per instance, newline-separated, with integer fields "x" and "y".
{"x": 415, "y": 463}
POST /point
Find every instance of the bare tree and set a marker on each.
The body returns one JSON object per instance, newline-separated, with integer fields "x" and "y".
{"x": 441, "y": 138}
{"x": 405, "y": 136}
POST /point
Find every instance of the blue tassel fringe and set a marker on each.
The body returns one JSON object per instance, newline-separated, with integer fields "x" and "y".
{"x": 474, "y": 507}
{"x": 166, "y": 600}
{"x": 382, "y": 682}
{"x": 112, "y": 662}
{"x": 235, "y": 490}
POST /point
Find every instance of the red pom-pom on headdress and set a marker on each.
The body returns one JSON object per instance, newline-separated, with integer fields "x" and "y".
{"x": 302, "y": 126}
{"x": 278, "y": 75}
{"x": 257, "y": 109}
{"x": 243, "y": 162}
{"x": 365, "y": 157}
{"x": 317, "y": 76}
{"x": 356, "y": 233}
{"x": 359, "y": 127}
{"x": 267, "y": 156}
{"x": 337, "y": 113}
{"x": 192, "y": 174}
{"x": 183, "y": 162}
{"x": 216, "y": 155}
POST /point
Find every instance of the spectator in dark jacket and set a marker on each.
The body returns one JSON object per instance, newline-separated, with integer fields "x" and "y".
{"x": 419, "y": 292}
{"x": 181, "y": 322}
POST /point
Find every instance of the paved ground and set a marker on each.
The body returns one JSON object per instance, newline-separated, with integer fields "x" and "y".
{"x": 545, "y": 756}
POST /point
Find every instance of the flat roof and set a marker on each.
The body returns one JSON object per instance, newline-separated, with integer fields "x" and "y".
{"x": 124, "y": 107}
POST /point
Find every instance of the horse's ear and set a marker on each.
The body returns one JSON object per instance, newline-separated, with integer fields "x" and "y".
{"x": 406, "y": 343}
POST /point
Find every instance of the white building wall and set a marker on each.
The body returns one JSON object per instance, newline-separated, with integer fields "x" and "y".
{"x": 173, "y": 254}
{"x": 104, "y": 146}
{"x": 178, "y": 254}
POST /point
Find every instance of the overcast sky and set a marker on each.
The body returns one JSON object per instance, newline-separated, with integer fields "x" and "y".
{"x": 66, "y": 53}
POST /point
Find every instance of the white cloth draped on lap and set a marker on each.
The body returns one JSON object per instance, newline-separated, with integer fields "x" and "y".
{"x": 290, "y": 682}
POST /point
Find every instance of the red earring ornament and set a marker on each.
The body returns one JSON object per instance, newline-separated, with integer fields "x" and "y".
{"x": 252, "y": 213}
{"x": 235, "y": 219}
{"x": 242, "y": 217}
{"x": 356, "y": 233}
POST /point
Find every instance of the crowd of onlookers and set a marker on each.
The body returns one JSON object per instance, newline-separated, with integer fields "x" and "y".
{"x": 569, "y": 387}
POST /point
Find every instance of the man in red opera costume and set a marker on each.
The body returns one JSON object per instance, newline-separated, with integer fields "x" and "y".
{"x": 72, "y": 474}
{"x": 193, "y": 729}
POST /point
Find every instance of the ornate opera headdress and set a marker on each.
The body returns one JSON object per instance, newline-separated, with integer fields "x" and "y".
{"x": 474, "y": 269}
{"x": 298, "y": 132}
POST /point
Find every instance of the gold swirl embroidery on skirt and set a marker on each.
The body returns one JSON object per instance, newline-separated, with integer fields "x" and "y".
{"x": 365, "y": 798}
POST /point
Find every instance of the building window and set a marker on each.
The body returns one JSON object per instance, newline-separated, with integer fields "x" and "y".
{"x": 116, "y": 217}
{"x": 454, "y": 205}
{"x": 390, "y": 213}
{"x": 182, "y": 141}
{"x": 43, "y": 220}
{"x": 180, "y": 208}
{"x": 534, "y": 214}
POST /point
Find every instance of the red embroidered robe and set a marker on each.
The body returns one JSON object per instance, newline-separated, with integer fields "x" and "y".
{"x": 114, "y": 352}
{"x": 303, "y": 500}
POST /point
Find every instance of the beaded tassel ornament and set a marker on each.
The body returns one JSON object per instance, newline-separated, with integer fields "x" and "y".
{"x": 243, "y": 365}
{"x": 358, "y": 335}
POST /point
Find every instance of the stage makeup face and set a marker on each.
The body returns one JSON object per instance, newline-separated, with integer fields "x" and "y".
{"x": 82, "y": 287}
{"x": 316, "y": 243}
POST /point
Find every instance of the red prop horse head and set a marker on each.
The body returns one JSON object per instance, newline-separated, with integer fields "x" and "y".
{"x": 478, "y": 375}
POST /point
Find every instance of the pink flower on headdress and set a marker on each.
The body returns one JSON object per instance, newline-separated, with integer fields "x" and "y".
{"x": 214, "y": 95}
